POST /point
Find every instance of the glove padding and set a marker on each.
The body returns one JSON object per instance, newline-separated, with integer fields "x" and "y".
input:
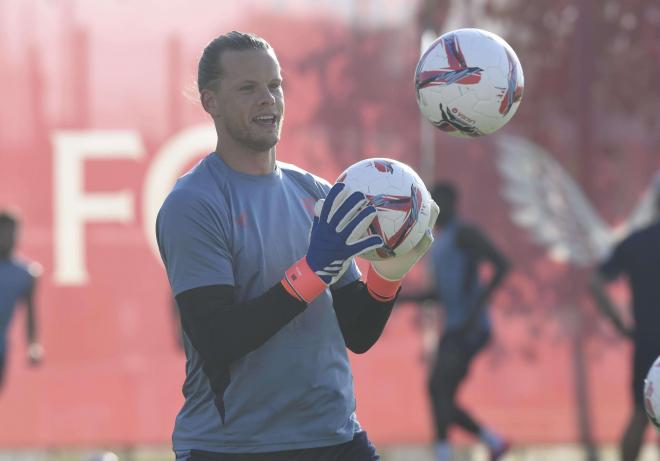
{"x": 339, "y": 232}
{"x": 395, "y": 268}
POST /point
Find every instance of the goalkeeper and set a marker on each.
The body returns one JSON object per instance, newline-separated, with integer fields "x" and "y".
{"x": 259, "y": 255}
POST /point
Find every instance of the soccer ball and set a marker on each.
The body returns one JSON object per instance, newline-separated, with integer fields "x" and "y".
{"x": 402, "y": 202}
{"x": 652, "y": 394}
{"x": 469, "y": 82}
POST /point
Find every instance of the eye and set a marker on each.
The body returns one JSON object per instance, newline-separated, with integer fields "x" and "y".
{"x": 246, "y": 88}
{"x": 276, "y": 85}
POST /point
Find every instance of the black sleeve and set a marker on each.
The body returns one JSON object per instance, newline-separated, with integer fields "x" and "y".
{"x": 361, "y": 317}
{"x": 223, "y": 331}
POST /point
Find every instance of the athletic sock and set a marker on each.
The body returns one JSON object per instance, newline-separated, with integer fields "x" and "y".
{"x": 491, "y": 439}
{"x": 444, "y": 451}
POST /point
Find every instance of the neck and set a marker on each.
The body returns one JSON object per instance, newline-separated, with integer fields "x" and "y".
{"x": 246, "y": 160}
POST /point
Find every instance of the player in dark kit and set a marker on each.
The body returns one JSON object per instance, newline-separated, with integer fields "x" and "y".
{"x": 638, "y": 259}
{"x": 456, "y": 256}
{"x": 17, "y": 284}
{"x": 268, "y": 292}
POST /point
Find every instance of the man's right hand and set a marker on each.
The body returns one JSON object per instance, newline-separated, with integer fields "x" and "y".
{"x": 339, "y": 233}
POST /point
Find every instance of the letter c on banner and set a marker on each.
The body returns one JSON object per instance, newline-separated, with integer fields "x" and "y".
{"x": 166, "y": 167}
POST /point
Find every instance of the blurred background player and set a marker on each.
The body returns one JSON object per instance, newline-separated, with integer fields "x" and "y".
{"x": 17, "y": 284}
{"x": 456, "y": 257}
{"x": 268, "y": 291}
{"x": 637, "y": 258}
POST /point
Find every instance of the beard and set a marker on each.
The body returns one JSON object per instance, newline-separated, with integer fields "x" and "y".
{"x": 260, "y": 144}
{"x": 252, "y": 140}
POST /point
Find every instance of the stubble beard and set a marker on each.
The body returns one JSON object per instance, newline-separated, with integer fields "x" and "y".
{"x": 252, "y": 141}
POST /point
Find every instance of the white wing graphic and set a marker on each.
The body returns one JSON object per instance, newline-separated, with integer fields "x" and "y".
{"x": 546, "y": 201}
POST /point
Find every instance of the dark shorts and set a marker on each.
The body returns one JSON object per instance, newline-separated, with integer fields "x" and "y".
{"x": 358, "y": 449}
{"x": 466, "y": 348}
{"x": 643, "y": 357}
{"x": 452, "y": 361}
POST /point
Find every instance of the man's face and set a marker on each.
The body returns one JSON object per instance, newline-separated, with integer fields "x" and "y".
{"x": 250, "y": 100}
{"x": 7, "y": 239}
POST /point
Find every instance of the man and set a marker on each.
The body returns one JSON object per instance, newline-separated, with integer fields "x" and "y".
{"x": 456, "y": 257}
{"x": 638, "y": 258}
{"x": 17, "y": 284}
{"x": 267, "y": 306}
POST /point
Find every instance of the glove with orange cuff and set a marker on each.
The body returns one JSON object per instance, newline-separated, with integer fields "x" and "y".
{"x": 339, "y": 233}
{"x": 384, "y": 276}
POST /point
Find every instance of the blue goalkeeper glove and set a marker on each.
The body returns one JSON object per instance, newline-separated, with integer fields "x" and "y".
{"x": 339, "y": 233}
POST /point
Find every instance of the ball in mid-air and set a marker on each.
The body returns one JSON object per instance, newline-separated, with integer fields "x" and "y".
{"x": 652, "y": 394}
{"x": 469, "y": 82}
{"x": 402, "y": 202}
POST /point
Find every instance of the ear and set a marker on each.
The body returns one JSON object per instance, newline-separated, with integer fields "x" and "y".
{"x": 209, "y": 100}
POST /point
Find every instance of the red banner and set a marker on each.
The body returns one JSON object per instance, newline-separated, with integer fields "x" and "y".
{"x": 95, "y": 126}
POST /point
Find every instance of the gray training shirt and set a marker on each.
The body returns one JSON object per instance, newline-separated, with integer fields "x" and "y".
{"x": 220, "y": 226}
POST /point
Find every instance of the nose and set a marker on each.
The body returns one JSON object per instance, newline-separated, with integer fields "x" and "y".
{"x": 266, "y": 97}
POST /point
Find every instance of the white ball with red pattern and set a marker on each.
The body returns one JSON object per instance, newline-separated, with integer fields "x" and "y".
{"x": 469, "y": 82}
{"x": 652, "y": 394}
{"x": 402, "y": 202}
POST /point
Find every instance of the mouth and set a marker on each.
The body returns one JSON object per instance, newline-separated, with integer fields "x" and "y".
{"x": 267, "y": 121}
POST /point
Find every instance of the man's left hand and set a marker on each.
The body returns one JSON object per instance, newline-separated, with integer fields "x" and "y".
{"x": 397, "y": 267}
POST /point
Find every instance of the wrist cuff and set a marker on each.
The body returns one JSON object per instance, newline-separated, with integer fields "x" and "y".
{"x": 301, "y": 282}
{"x": 381, "y": 288}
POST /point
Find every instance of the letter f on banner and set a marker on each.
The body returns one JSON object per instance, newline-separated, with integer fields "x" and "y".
{"x": 73, "y": 207}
